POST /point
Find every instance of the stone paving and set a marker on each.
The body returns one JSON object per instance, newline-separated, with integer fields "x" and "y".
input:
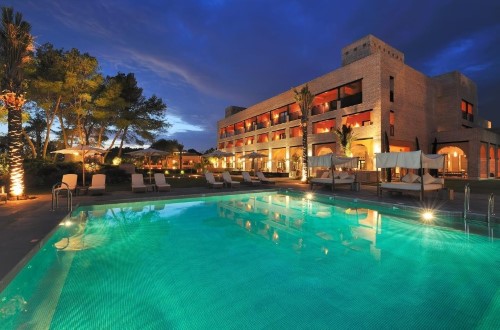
{"x": 25, "y": 224}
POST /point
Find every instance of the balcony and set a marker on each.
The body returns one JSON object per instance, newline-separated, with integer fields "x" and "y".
{"x": 294, "y": 116}
{"x": 264, "y": 124}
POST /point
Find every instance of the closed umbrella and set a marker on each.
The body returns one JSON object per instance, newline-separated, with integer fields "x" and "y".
{"x": 81, "y": 150}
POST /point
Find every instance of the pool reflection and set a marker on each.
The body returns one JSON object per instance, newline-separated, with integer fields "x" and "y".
{"x": 303, "y": 223}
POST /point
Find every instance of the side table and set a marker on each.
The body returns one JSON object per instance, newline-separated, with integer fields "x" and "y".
{"x": 81, "y": 190}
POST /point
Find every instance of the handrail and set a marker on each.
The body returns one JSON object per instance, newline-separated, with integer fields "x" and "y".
{"x": 491, "y": 205}
{"x": 466, "y": 205}
{"x": 56, "y": 189}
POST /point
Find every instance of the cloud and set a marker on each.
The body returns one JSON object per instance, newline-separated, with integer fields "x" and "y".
{"x": 181, "y": 126}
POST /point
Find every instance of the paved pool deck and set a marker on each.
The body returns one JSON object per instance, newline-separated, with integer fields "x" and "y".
{"x": 25, "y": 224}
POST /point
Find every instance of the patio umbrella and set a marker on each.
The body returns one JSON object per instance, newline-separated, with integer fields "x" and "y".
{"x": 218, "y": 154}
{"x": 252, "y": 156}
{"x": 147, "y": 153}
{"x": 81, "y": 150}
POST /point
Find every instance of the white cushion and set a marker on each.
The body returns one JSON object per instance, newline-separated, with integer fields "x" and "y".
{"x": 325, "y": 175}
{"x": 336, "y": 174}
{"x": 410, "y": 178}
{"x": 428, "y": 178}
{"x": 343, "y": 175}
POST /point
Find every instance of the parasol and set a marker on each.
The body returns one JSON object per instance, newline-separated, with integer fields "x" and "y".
{"x": 81, "y": 150}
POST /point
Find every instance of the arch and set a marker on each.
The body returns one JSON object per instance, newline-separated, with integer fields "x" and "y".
{"x": 456, "y": 163}
{"x": 361, "y": 151}
{"x": 492, "y": 164}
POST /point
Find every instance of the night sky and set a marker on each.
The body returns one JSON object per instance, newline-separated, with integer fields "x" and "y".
{"x": 202, "y": 56}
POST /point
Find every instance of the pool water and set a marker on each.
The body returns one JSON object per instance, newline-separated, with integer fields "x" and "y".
{"x": 256, "y": 261}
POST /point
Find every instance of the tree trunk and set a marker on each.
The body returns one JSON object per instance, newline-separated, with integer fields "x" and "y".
{"x": 50, "y": 121}
{"x": 305, "y": 166}
{"x": 30, "y": 143}
{"x": 111, "y": 145}
{"x": 125, "y": 130}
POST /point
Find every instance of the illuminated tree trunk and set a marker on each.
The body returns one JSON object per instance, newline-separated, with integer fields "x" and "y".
{"x": 15, "y": 137}
{"x": 305, "y": 166}
{"x": 304, "y": 99}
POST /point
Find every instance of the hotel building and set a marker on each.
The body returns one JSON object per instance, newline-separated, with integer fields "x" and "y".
{"x": 376, "y": 93}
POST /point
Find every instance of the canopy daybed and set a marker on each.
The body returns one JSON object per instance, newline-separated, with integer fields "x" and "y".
{"x": 411, "y": 182}
{"x": 332, "y": 177}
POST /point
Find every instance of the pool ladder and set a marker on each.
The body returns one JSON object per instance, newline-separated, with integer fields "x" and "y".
{"x": 466, "y": 207}
{"x": 55, "y": 196}
{"x": 489, "y": 214}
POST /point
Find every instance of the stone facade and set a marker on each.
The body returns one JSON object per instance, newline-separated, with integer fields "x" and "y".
{"x": 395, "y": 99}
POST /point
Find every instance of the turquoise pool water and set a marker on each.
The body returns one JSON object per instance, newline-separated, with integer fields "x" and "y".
{"x": 257, "y": 261}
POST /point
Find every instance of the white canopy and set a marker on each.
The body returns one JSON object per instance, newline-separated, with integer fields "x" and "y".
{"x": 412, "y": 159}
{"x": 331, "y": 159}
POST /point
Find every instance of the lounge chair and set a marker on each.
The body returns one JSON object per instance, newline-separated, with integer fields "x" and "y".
{"x": 211, "y": 181}
{"x": 138, "y": 183}
{"x": 98, "y": 185}
{"x": 248, "y": 179}
{"x": 68, "y": 182}
{"x": 263, "y": 179}
{"x": 160, "y": 183}
{"x": 228, "y": 181}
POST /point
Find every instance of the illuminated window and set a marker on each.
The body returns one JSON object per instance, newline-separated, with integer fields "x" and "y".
{"x": 294, "y": 112}
{"x": 262, "y": 138}
{"x": 325, "y": 102}
{"x": 279, "y": 135}
{"x": 325, "y": 126}
{"x": 467, "y": 111}
{"x": 280, "y": 115}
{"x": 264, "y": 120}
{"x": 296, "y": 131}
{"x": 351, "y": 94}
{"x": 358, "y": 119}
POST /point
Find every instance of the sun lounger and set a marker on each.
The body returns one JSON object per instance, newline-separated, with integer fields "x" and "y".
{"x": 263, "y": 179}
{"x": 160, "y": 183}
{"x": 98, "y": 185}
{"x": 228, "y": 181}
{"x": 68, "y": 182}
{"x": 138, "y": 183}
{"x": 248, "y": 179}
{"x": 211, "y": 181}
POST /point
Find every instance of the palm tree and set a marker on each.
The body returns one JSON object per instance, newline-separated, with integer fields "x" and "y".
{"x": 304, "y": 99}
{"x": 345, "y": 136}
{"x": 16, "y": 45}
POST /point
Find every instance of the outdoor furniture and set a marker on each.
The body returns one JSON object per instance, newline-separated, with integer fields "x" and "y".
{"x": 160, "y": 183}
{"x": 68, "y": 182}
{"x": 228, "y": 181}
{"x": 211, "y": 181}
{"x": 248, "y": 179}
{"x": 98, "y": 185}
{"x": 263, "y": 179}
{"x": 138, "y": 183}
{"x": 411, "y": 182}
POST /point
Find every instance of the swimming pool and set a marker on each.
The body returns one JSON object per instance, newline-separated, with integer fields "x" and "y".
{"x": 254, "y": 261}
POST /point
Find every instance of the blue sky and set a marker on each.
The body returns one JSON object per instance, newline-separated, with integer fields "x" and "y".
{"x": 202, "y": 56}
